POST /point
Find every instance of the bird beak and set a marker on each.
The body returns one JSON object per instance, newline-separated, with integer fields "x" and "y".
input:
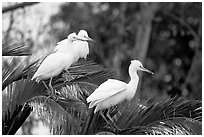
{"x": 87, "y": 39}
{"x": 146, "y": 70}
{"x": 90, "y": 39}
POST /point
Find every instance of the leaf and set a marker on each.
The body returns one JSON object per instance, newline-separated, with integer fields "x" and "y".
{"x": 15, "y": 48}
{"x": 14, "y": 98}
{"x": 173, "y": 126}
{"x": 14, "y": 71}
{"x": 55, "y": 116}
{"x": 170, "y": 110}
{"x": 12, "y": 122}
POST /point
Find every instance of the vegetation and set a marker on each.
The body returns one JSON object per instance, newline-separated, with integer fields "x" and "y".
{"x": 165, "y": 36}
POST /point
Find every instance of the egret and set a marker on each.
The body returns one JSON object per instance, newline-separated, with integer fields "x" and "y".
{"x": 82, "y": 46}
{"x": 78, "y": 48}
{"x": 55, "y": 63}
{"x": 112, "y": 91}
{"x": 52, "y": 66}
{"x": 66, "y": 45}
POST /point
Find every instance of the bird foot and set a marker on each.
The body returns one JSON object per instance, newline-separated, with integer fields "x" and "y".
{"x": 68, "y": 77}
{"x": 53, "y": 96}
{"x": 114, "y": 130}
{"x": 117, "y": 130}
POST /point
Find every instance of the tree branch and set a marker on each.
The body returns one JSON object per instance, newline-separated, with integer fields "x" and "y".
{"x": 20, "y": 5}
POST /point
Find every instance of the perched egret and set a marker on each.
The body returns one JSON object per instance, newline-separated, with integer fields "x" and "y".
{"x": 112, "y": 92}
{"x": 66, "y": 45}
{"x": 75, "y": 45}
{"x": 52, "y": 66}
{"x": 82, "y": 46}
{"x": 55, "y": 63}
{"x": 79, "y": 47}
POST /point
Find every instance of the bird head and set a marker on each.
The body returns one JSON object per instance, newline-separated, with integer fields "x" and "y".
{"x": 138, "y": 66}
{"x": 83, "y": 35}
{"x": 72, "y": 37}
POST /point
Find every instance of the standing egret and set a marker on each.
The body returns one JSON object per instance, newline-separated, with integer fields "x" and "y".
{"x": 54, "y": 64}
{"x": 78, "y": 48}
{"x": 112, "y": 92}
{"x": 66, "y": 45}
{"x": 82, "y": 46}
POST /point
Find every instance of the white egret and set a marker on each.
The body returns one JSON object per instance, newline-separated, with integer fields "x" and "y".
{"x": 52, "y": 66}
{"x": 82, "y": 46}
{"x": 55, "y": 63}
{"x": 66, "y": 45}
{"x": 112, "y": 92}
{"x": 79, "y": 48}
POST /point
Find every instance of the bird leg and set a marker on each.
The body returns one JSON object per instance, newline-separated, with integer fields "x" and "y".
{"x": 46, "y": 87}
{"x": 53, "y": 95}
{"x": 50, "y": 85}
{"x": 104, "y": 118}
{"x": 47, "y": 98}
{"x": 50, "y": 92}
{"x": 113, "y": 123}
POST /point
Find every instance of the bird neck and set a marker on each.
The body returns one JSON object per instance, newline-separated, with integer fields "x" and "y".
{"x": 133, "y": 73}
{"x": 132, "y": 85}
{"x": 134, "y": 78}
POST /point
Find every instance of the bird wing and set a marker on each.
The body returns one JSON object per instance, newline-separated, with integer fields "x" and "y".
{"x": 51, "y": 64}
{"x": 62, "y": 44}
{"x": 107, "y": 89}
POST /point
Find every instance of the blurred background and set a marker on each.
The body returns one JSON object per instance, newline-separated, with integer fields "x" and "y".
{"x": 165, "y": 37}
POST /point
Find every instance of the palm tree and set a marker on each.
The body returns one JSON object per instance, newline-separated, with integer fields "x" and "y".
{"x": 70, "y": 114}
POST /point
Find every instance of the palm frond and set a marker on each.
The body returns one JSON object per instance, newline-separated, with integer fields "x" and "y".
{"x": 56, "y": 116}
{"x": 15, "y": 48}
{"x": 15, "y": 70}
{"x": 170, "y": 112}
{"x": 172, "y": 126}
{"x": 18, "y": 93}
{"x": 14, "y": 97}
{"x": 12, "y": 122}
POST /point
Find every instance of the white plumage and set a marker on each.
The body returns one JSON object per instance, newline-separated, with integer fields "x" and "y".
{"x": 56, "y": 62}
{"x": 79, "y": 48}
{"x": 67, "y": 45}
{"x": 112, "y": 91}
{"x": 65, "y": 54}
{"x": 52, "y": 66}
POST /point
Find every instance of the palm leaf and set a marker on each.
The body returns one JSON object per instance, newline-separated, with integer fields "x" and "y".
{"x": 170, "y": 111}
{"x": 15, "y": 70}
{"x": 12, "y": 122}
{"x": 173, "y": 126}
{"x": 15, "y": 48}
{"x": 14, "y": 98}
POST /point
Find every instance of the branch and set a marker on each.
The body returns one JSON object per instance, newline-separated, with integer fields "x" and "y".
{"x": 14, "y": 7}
